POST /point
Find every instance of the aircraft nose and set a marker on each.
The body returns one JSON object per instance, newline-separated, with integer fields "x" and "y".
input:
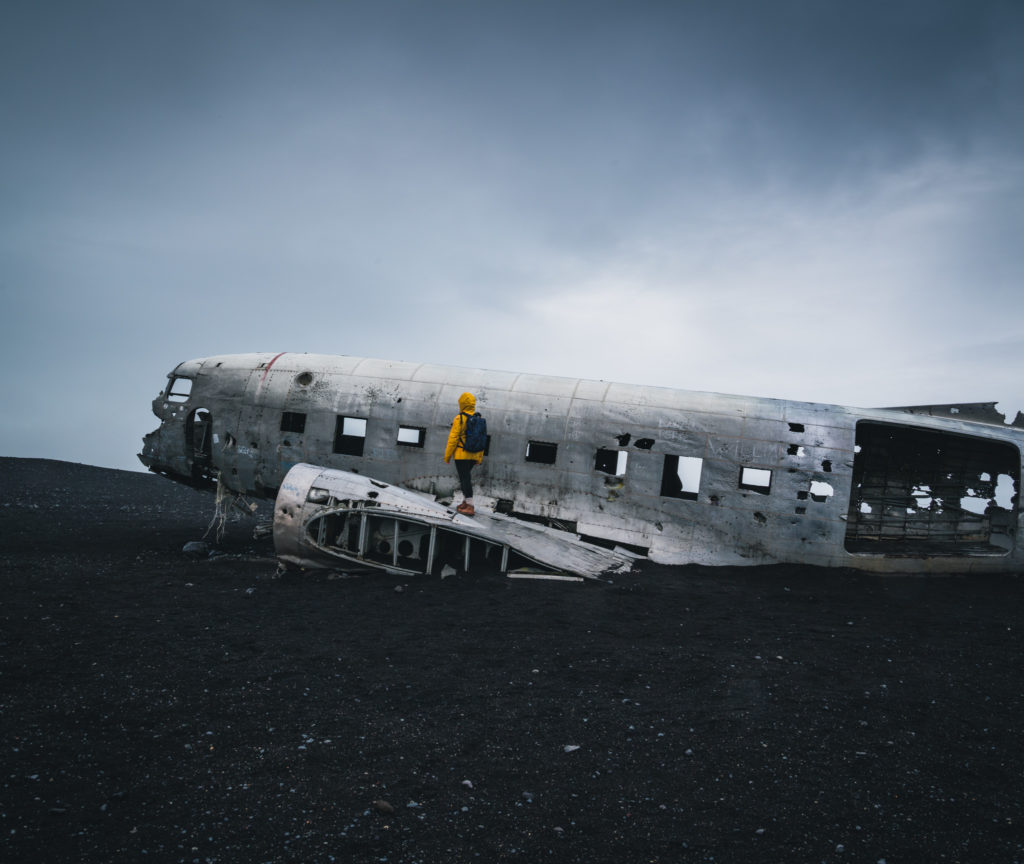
{"x": 155, "y": 455}
{"x": 182, "y": 448}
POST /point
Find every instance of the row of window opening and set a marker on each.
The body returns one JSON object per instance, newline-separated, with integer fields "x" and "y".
{"x": 680, "y": 474}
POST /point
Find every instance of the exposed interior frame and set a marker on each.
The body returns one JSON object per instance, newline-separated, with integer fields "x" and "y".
{"x": 918, "y": 491}
{"x": 399, "y": 545}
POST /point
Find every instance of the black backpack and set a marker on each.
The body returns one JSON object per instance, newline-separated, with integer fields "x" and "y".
{"x": 474, "y": 433}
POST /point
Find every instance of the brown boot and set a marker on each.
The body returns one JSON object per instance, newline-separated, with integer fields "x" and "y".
{"x": 466, "y": 509}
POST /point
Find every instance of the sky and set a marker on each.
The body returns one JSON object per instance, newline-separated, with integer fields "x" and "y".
{"x": 801, "y": 199}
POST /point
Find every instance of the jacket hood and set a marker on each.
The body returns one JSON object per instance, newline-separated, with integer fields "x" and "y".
{"x": 467, "y": 403}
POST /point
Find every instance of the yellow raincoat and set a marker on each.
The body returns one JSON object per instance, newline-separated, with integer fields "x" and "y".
{"x": 467, "y": 405}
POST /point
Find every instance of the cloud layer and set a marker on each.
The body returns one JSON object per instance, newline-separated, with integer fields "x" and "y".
{"x": 807, "y": 200}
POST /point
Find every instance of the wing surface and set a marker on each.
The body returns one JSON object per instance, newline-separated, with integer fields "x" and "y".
{"x": 325, "y": 517}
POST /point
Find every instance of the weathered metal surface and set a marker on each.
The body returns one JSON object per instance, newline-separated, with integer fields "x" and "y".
{"x": 329, "y": 518}
{"x": 976, "y": 412}
{"x": 677, "y": 476}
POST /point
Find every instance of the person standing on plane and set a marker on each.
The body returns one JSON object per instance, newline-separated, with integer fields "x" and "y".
{"x": 467, "y": 440}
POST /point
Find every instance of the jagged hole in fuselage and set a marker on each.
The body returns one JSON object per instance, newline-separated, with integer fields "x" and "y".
{"x": 923, "y": 492}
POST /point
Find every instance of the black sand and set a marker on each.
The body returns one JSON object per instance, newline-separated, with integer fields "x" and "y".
{"x": 157, "y": 707}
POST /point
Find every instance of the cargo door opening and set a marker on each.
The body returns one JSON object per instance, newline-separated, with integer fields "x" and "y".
{"x": 199, "y": 444}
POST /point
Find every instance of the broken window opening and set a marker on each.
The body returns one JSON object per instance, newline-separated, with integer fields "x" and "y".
{"x": 623, "y": 439}
{"x": 316, "y": 495}
{"x": 680, "y": 477}
{"x": 411, "y": 436}
{"x": 179, "y": 390}
{"x": 821, "y": 491}
{"x": 543, "y": 452}
{"x": 796, "y": 427}
{"x": 611, "y": 462}
{"x": 304, "y": 379}
{"x": 756, "y": 480}
{"x": 349, "y": 436}
{"x": 794, "y": 450}
{"x": 644, "y": 443}
{"x": 923, "y": 492}
{"x": 293, "y": 421}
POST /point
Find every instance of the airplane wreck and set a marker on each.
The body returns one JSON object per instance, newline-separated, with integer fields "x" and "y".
{"x": 584, "y": 477}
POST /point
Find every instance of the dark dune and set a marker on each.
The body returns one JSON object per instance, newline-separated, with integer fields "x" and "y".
{"x": 157, "y": 707}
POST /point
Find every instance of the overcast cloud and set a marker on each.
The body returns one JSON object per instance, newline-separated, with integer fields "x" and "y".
{"x": 808, "y": 200}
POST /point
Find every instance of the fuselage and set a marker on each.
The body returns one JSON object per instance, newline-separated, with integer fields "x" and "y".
{"x": 677, "y": 476}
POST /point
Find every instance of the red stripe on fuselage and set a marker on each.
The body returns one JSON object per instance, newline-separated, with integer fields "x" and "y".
{"x": 271, "y": 363}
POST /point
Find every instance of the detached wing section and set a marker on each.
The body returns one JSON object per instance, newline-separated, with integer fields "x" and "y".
{"x": 329, "y": 518}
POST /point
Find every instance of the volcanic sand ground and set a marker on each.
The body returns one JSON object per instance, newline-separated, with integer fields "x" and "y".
{"x": 160, "y": 707}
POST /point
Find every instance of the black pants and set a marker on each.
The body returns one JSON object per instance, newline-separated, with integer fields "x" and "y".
{"x": 464, "y": 466}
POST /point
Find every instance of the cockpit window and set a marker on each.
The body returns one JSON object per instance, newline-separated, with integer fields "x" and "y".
{"x": 180, "y": 390}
